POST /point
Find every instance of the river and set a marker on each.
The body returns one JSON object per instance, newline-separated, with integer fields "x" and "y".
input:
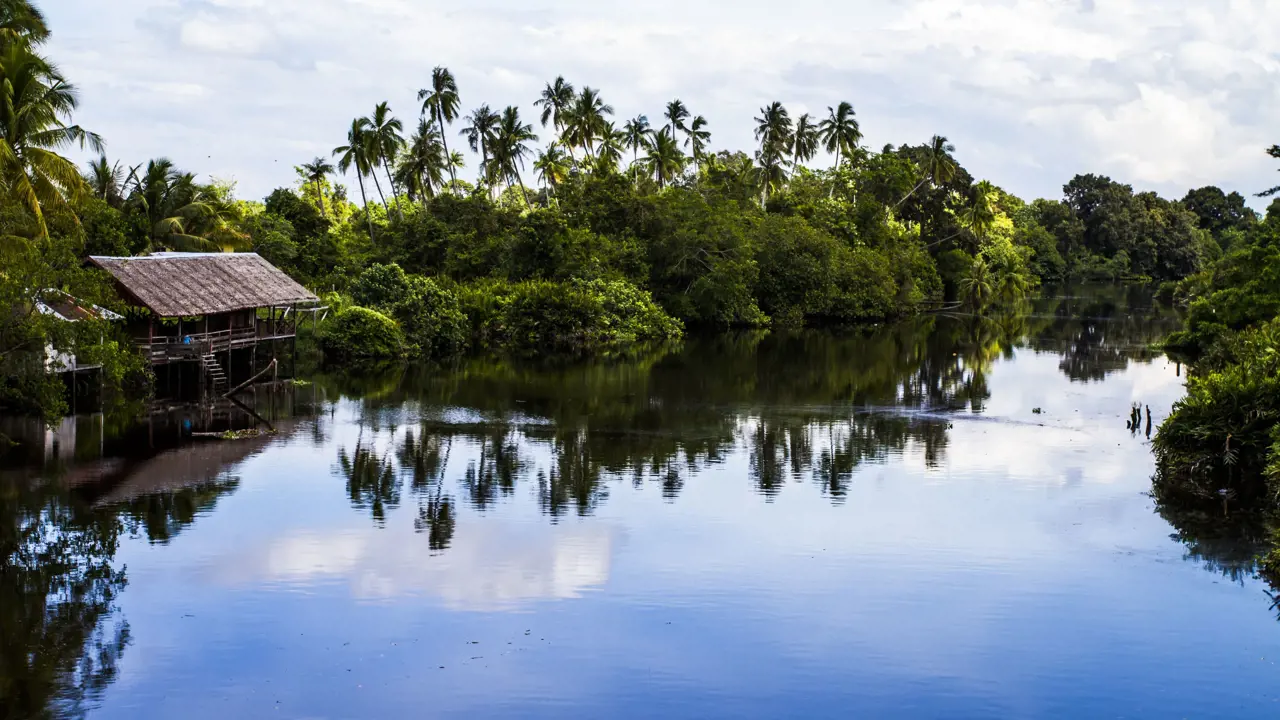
{"x": 945, "y": 517}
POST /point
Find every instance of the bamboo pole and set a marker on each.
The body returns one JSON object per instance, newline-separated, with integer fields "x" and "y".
{"x": 251, "y": 380}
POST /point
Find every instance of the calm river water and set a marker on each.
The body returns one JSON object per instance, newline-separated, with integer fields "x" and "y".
{"x": 941, "y": 518}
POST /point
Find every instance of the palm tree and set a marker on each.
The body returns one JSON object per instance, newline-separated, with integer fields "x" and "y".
{"x": 556, "y": 102}
{"x": 699, "y": 137}
{"x": 840, "y": 133}
{"x": 774, "y": 131}
{"x": 480, "y": 130}
{"x": 613, "y": 142}
{"x": 316, "y": 171}
{"x": 586, "y": 120}
{"x": 977, "y": 287}
{"x": 938, "y": 165}
{"x": 441, "y": 103}
{"x": 422, "y": 167}
{"x": 182, "y": 214}
{"x": 981, "y": 214}
{"x": 552, "y": 166}
{"x": 355, "y": 154}
{"x": 1011, "y": 282}
{"x": 805, "y": 144}
{"x": 35, "y": 108}
{"x": 22, "y": 23}
{"x": 512, "y": 146}
{"x": 664, "y": 161}
{"x": 676, "y": 114}
{"x": 106, "y": 181}
{"x": 385, "y": 141}
{"x": 638, "y": 135}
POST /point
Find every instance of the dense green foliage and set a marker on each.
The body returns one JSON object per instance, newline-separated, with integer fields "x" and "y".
{"x": 441, "y": 319}
{"x": 358, "y": 333}
{"x": 1218, "y": 453}
{"x": 633, "y": 230}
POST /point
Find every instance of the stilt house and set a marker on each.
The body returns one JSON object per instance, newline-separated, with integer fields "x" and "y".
{"x": 205, "y": 306}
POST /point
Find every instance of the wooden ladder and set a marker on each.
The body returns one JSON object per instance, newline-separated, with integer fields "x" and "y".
{"x": 217, "y": 376}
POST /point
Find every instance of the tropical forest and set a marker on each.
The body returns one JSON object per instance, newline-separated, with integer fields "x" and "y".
{"x": 507, "y": 255}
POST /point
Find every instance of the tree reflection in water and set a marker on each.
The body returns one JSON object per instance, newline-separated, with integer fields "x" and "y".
{"x": 801, "y": 406}
{"x": 59, "y": 644}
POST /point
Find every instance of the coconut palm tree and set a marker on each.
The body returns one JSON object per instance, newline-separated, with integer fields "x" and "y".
{"x": 106, "y": 181}
{"x": 980, "y": 216}
{"x": 977, "y": 287}
{"x": 552, "y": 166}
{"x": 182, "y": 214}
{"x": 316, "y": 171}
{"x": 480, "y": 130}
{"x": 805, "y": 144}
{"x": 638, "y": 135}
{"x": 676, "y": 114}
{"x": 938, "y": 165}
{"x": 355, "y": 154}
{"x": 422, "y": 167}
{"x": 698, "y": 138}
{"x": 775, "y": 134}
{"x": 35, "y": 109}
{"x": 613, "y": 142}
{"x": 512, "y": 146}
{"x": 22, "y": 23}
{"x": 441, "y": 103}
{"x": 556, "y": 102}
{"x": 385, "y": 141}
{"x": 586, "y": 120}
{"x": 665, "y": 162}
{"x": 840, "y": 133}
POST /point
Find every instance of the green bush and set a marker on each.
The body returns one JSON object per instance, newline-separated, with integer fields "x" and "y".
{"x": 380, "y": 286}
{"x": 542, "y": 316}
{"x": 358, "y": 333}
{"x": 545, "y": 315}
{"x": 865, "y": 287}
{"x": 631, "y": 314}
{"x": 432, "y": 319}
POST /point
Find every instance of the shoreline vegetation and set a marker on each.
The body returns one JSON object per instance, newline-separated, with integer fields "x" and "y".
{"x": 574, "y": 228}
{"x": 1218, "y": 453}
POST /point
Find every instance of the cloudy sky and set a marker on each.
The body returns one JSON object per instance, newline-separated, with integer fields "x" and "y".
{"x": 1163, "y": 94}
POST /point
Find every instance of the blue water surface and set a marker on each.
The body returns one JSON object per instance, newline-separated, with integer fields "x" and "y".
{"x": 943, "y": 518}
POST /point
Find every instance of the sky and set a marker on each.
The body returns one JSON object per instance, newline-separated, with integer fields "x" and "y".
{"x": 1163, "y": 94}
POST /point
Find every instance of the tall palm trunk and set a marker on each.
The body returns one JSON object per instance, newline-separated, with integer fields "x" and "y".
{"x": 913, "y": 192}
{"x": 523, "y": 190}
{"x": 386, "y": 167}
{"x": 444, "y": 138}
{"x": 364, "y": 202}
{"x": 832, "y": 193}
{"x": 320, "y": 195}
{"x": 374, "y": 174}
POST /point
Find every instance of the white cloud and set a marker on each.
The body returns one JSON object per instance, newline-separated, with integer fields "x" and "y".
{"x": 1166, "y": 95}
{"x": 487, "y": 567}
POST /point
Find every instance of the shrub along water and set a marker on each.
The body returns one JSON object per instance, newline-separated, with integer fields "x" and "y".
{"x": 535, "y": 316}
{"x": 1219, "y": 451}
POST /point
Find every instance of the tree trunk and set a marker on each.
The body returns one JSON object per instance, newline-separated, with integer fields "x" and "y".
{"x": 378, "y": 185}
{"x": 523, "y": 190}
{"x": 445, "y": 140}
{"x": 913, "y": 192}
{"x": 837, "y": 169}
{"x": 364, "y": 202}
{"x": 320, "y": 195}
{"x": 387, "y": 169}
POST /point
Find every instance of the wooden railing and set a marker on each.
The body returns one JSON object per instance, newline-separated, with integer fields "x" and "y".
{"x": 167, "y": 348}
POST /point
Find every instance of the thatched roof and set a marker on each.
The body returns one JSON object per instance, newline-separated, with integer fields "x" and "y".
{"x": 185, "y": 284}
